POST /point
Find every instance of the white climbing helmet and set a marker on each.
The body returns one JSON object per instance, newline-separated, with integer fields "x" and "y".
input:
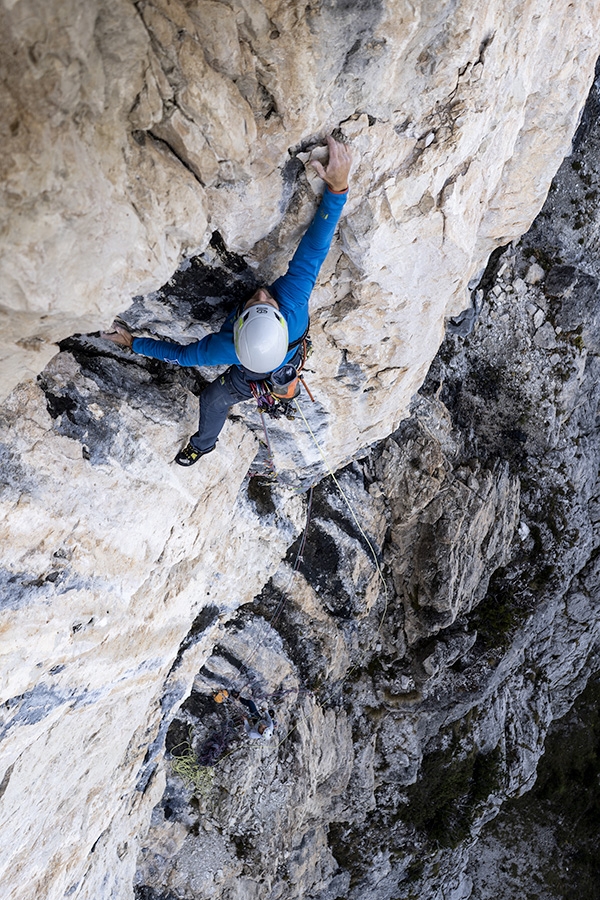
{"x": 260, "y": 336}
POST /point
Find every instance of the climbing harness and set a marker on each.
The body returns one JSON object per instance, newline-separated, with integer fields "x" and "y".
{"x": 274, "y": 395}
{"x": 274, "y": 398}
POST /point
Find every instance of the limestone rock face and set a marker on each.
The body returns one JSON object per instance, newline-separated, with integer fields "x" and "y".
{"x": 131, "y": 132}
{"x": 135, "y": 135}
{"x": 88, "y": 216}
{"x": 429, "y": 704}
{"x": 118, "y": 609}
{"x": 451, "y": 526}
{"x": 544, "y": 837}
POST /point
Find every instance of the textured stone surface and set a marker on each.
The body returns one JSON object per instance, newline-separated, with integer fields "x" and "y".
{"x": 451, "y": 527}
{"x": 157, "y": 123}
{"x": 134, "y": 134}
{"x": 441, "y": 712}
{"x": 546, "y": 842}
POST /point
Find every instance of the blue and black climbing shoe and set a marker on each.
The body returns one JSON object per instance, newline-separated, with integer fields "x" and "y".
{"x": 189, "y": 455}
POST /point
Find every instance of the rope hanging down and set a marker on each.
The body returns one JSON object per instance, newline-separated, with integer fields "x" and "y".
{"x": 266, "y": 402}
{"x": 274, "y": 399}
{"x": 297, "y": 562}
{"x": 299, "y": 555}
{"x": 349, "y": 505}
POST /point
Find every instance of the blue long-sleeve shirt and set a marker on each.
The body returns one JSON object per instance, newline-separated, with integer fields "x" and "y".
{"x": 291, "y": 291}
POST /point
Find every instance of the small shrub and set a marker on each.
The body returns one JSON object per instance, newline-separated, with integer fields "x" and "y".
{"x": 498, "y": 615}
{"x": 444, "y": 801}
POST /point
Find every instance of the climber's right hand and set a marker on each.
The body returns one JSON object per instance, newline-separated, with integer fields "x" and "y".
{"x": 336, "y": 173}
{"x": 119, "y": 335}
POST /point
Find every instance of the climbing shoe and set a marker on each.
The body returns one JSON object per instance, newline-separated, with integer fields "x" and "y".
{"x": 189, "y": 455}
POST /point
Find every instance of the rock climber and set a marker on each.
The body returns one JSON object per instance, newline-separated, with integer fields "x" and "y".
{"x": 261, "y": 724}
{"x": 269, "y": 331}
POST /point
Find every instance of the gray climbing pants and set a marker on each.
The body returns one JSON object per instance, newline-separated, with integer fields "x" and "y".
{"x": 215, "y": 402}
{"x": 221, "y": 394}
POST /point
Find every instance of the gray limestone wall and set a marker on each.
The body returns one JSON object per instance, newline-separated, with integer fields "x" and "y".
{"x": 409, "y": 714}
{"x": 156, "y": 164}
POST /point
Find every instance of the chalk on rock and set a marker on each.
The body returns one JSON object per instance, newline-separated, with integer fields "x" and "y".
{"x": 535, "y": 274}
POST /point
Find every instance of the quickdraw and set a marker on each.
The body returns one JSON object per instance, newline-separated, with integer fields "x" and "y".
{"x": 276, "y": 400}
{"x": 274, "y": 396}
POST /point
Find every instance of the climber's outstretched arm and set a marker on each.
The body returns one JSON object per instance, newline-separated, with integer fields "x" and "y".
{"x": 293, "y": 289}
